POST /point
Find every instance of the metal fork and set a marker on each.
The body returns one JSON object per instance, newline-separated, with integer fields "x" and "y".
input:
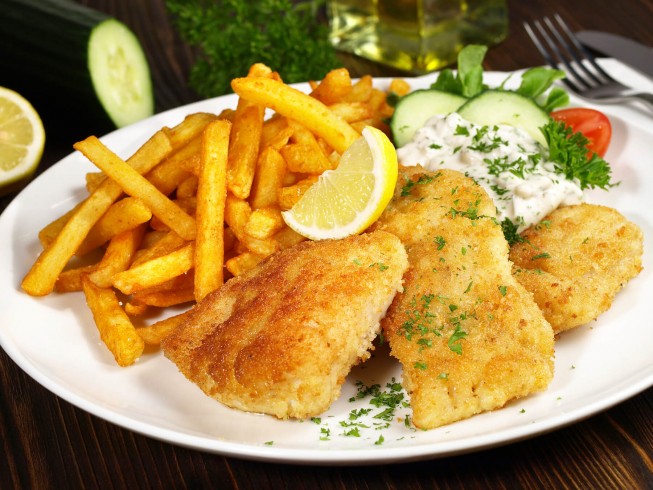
{"x": 585, "y": 77}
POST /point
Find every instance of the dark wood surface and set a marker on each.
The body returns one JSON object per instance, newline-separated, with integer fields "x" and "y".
{"x": 49, "y": 443}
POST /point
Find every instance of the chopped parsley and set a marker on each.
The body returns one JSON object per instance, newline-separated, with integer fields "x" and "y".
{"x": 381, "y": 266}
{"x": 455, "y": 339}
{"x": 510, "y": 232}
{"x": 543, "y": 255}
{"x": 423, "y": 179}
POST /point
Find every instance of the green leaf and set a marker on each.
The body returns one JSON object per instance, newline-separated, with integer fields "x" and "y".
{"x": 470, "y": 69}
{"x": 557, "y": 97}
{"x": 469, "y": 79}
{"x": 447, "y": 82}
{"x": 536, "y": 81}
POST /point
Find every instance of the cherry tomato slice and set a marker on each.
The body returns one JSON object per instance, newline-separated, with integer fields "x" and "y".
{"x": 592, "y": 123}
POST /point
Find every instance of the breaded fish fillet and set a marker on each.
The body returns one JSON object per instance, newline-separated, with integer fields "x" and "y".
{"x": 469, "y": 337}
{"x": 576, "y": 260}
{"x": 281, "y": 338}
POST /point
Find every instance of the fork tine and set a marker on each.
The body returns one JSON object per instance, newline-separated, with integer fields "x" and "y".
{"x": 571, "y": 52}
{"x": 538, "y": 44}
{"x": 580, "y": 48}
{"x": 552, "y": 54}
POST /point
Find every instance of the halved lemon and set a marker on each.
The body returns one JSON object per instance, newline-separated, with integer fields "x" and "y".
{"x": 347, "y": 200}
{"x": 22, "y": 138}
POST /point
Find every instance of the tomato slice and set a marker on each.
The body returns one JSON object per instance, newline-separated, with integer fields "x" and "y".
{"x": 592, "y": 123}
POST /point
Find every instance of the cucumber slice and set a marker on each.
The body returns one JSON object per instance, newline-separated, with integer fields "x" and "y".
{"x": 120, "y": 73}
{"x": 415, "y": 108}
{"x": 499, "y": 107}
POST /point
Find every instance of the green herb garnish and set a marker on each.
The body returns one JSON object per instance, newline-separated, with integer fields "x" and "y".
{"x": 568, "y": 151}
{"x": 232, "y": 35}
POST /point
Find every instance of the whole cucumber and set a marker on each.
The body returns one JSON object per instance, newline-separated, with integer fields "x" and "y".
{"x": 74, "y": 61}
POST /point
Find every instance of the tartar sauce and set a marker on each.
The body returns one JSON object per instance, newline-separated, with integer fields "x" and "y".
{"x": 509, "y": 164}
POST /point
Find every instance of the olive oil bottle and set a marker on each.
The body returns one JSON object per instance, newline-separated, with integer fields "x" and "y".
{"x": 417, "y": 36}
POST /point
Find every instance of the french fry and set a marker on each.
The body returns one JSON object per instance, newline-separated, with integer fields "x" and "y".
{"x": 305, "y": 154}
{"x": 125, "y": 214}
{"x": 136, "y": 185}
{"x": 399, "y": 86}
{"x": 167, "y": 176}
{"x": 188, "y": 187}
{"x": 134, "y": 308}
{"x": 155, "y": 333}
{"x": 176, "y": 291}
{"x": 299, "y": 106}
{"x": 278, "y": 141}
{"x": 187, "y": 158}
{"x": 289, "y": 195}
{"x": 361, "y": 90}
{"x": 287, "y": 238}
{"x": 117, "y": 257}
{"x": 164, "y": 299}
{"x": 151, "y": 238}
{"x": 244, "y": 145}
{"x": 243, "y": 262}
{"x": 237, "y": 213}
{"x": 268, "y": 179}
{"x": 93, "y": 180}
{"x": 352, "y": 111}
{"x": 334, "y": 87}
{"x": 50, "y": 231}
{"x": 305, "y": 159}
{"x": 211, "y": 197}
{"x": 275, "y": 133}
{"x": 40, "y": 279}
{"x": 165, "y": 245}
{"x": 189, "y": 128}
{"x": 155, "y": 271}
{"x": 182, "y": 281}
{"x": 116, "y": 330}
{"x": 70, "y": 280}
{"x": 264, "y": 223}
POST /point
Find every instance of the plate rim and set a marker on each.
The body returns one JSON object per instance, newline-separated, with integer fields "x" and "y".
{"x": 276, "y": 453}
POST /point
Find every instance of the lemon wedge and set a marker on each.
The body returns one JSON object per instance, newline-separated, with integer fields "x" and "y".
{"x": 22, "y": 138}
{"x": 347, "y": 200}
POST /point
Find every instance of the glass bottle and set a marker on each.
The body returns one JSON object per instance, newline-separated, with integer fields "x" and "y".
{"x": 417, "y": 36}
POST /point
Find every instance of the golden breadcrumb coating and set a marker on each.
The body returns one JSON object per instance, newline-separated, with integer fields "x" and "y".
{"x": 576, "y": 260}
{"x": 281, "y": 338}
{"x": 470, "y": 338}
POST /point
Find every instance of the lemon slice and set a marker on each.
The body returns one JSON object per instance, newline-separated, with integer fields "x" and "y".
{"x": 21, "y": 139}
{"x": 347, "y": 200}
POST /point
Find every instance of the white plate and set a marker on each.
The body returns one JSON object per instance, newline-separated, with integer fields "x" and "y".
{"x": 54, "y": 340}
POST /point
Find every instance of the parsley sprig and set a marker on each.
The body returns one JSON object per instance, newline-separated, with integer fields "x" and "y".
{"x": 231, "y": 35}
{"x": 568, "y": 151}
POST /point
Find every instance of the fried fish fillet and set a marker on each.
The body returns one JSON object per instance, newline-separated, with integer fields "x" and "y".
{"x": 469, "y": 337}
{"x": 281, "y": 338}
{"x": 576, "y": 260}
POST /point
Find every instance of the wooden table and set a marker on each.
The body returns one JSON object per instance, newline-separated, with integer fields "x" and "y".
{"x": 49, "y": 443}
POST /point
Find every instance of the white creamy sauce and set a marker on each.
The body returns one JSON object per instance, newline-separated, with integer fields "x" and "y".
{"x": 509, "y": 164}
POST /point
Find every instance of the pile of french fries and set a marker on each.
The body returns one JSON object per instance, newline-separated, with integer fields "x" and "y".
{"x": 199, "y": 202}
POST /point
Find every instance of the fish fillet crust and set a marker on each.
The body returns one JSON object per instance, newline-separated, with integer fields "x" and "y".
{"x": 469, "y": 337}
{"x": 576, "y": 261}
{"x": 280, "y": 339}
